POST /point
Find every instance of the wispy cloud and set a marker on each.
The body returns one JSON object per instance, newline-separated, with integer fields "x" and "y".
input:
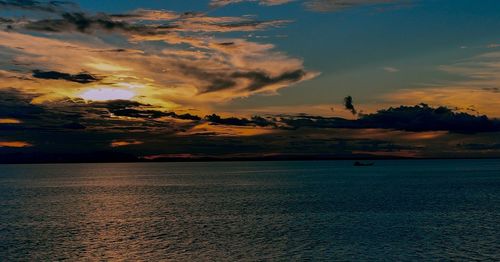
{"x": 313, "y": 5}
{"x": 338, "y": 5}
{"x": 475, "y": 93}
{"x": 121, "y": 143}
{"x": 220, "y": 3}
{"x": 390, "y": 69}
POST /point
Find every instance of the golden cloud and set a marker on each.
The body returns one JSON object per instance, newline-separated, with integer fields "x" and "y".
{"x": 119, "y": 143}
{"x": 15, "y": 144}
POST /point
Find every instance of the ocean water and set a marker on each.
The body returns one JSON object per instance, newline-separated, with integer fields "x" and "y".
{"x": 426, "y": 210}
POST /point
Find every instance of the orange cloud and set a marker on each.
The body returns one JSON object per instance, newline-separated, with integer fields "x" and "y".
{"x": 223, "y": 130}
{"x": 9, "y": 121}
{"x": 15, "y": 144}
{"x": 372, "y": 133}
{"x": 476, "y": 100}
{"x": 201, "y": 72}
{"x": 477, "y": 94}
{"x": 118, "y": 143}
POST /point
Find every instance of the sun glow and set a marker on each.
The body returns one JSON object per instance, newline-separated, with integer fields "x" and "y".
{"x": 105, "y": 94}
{"x": 108, "y": 67}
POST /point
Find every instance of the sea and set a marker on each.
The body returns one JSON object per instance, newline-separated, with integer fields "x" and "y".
{"x": 401, "y": 210}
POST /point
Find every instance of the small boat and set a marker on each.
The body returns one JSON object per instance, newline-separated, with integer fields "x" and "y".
{"x": 357, "y": 163}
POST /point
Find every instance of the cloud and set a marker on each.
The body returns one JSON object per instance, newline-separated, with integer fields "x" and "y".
{"x": 418, "y": 118}
{"x": 312, "y": 5}
{"x": 207, "y": 129}
{"x": 338, "y": 5}
{"x": 16, "y": 105}
{"x": 192, "y": 69}
{"x": 79, "y": 126}
{"x": 348, "y": 105}
{"x": 133, "y": 23}
{"x": 425, "y": 118}
{"x": 234, "y": 121}
{"x": 10, "y": 121}
{"x": 480, "y": 147}
{"x": 74, "y": 126}
{"x": 121, "y": 143}
{"x": 77, "y": 115}
{"x": 391, "y": 69}
{"x": 15, "y": 144}
{"x": 254, "y": 81}
{"x": 260, "y": 80}
{"x": 82, "y": 78}
{"x": 220, "y": 3}
{"x": 178, "y": 69}
{"x": 476, "y": 92}
{"x": 83, "y": 23}
{"x": 47, "y": 6}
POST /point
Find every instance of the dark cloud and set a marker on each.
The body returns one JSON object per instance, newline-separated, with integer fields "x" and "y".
{"x": 480, "y": 147}
{"x": 136, "y": 113}
{"x": 305, "y": 121}
{"x": 419, "y": 118}
{"x": 348, "y": 104}
{"x": 260, "y": 80}
{"x": 44, "y": 6}
{"x": 138, "y": 110}
{"x": 84, "y": 23}
{"x": 79, "y": 115}
{"x": 75, "y": 126}
{"x": 82, "y": 78}
{"x": 492, "y": 89}
{"x": 6, "y": 20}
{"x": 218, "y": 83}
{"x": 235, "y": 121}
{"x": 425, "y": 118}
{"x": 87, "y": 23}
{"x": 185, "y": 116}
{"x": 14, "y": 104}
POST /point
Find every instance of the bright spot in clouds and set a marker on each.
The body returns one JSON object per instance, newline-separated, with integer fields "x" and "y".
{"x": 105, "y": 94}
{"x": 108, "y": 67}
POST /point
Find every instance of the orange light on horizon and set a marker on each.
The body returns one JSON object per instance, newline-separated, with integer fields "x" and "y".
{"x": 9, "y": 121}
{"x": 15, "y": 144}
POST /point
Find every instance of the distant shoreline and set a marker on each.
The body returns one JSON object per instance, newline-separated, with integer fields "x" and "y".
{"x": 243, "y": 159}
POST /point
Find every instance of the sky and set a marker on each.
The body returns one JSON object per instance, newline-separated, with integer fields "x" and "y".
{"x": 246, "y": 78}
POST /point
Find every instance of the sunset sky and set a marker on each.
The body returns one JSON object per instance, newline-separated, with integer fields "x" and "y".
{"x": 231, "y": 78}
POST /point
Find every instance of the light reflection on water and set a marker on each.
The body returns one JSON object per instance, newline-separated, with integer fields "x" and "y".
{"x": 396, "y": 210}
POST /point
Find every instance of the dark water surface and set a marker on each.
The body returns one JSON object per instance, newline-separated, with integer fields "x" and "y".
{"x": 325, "y": 210}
